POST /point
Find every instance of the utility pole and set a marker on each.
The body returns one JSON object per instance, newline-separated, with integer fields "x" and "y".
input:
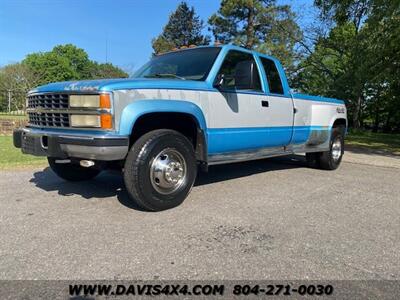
{"x": 9, "y": 101}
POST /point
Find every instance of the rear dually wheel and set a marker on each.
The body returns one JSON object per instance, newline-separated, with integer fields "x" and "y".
{"x": 331, "y": 159}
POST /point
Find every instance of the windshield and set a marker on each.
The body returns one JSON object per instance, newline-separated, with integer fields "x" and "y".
{"x": 191, "y": 64}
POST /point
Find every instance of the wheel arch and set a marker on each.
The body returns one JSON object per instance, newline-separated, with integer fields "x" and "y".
{"x": 340, "y": 122}
{"x": 185, "y": 117}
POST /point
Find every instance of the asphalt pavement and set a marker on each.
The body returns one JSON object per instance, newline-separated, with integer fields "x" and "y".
{"x": 268, "y": 219}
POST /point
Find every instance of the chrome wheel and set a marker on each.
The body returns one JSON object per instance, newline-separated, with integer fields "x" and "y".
{"x": 337, "y": 149}
{"x": 168, "y": 171}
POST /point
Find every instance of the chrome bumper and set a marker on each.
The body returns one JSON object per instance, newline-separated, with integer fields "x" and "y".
{"x": 40, "y": 142}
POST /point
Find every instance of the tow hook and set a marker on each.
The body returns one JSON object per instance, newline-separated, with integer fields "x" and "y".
{"x": 86, "y": 163}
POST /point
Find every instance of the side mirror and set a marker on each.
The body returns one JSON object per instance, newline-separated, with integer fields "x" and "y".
{"x": 245, "y": 75}
{"x": 219, "y": 81}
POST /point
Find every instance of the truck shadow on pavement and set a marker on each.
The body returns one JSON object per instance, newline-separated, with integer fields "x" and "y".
{"x": 111, "y": 184}
{"x": 236, "y": 170}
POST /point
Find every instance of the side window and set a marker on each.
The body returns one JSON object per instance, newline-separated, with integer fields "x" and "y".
{"x": 239, "y": 71}
{"x": 273, "y": 78}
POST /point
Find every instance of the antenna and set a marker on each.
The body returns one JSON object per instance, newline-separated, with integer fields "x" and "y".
{"x": 106, "y": 48}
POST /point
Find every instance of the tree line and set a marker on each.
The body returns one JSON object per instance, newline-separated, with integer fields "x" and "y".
{"x": 351, "y": 53}
{"x": 62, "y": 63}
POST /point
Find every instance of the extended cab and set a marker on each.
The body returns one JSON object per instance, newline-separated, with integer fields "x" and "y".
{"x": 184, "y": 109}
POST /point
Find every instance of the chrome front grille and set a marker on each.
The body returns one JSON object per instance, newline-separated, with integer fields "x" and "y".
{"x": 48, "y": 119}
{"x": 48, "y": 101}
{"x": 52, "y": 110}
{"x": 48, "y": 110}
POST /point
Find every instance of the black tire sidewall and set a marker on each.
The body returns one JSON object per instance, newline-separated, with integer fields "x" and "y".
{"x": 336, "y": 134}
{"x": 150, "y": 147}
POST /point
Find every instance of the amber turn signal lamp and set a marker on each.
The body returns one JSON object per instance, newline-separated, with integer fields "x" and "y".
{"x": 106, "y": 121}
{"x": 105, "y": 101}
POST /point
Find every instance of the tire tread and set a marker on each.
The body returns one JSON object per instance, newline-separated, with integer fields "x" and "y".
{"x": 137, "y": 157}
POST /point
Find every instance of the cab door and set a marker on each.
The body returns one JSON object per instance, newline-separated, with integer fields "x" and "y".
{"x": 280, "y": 113}
{"x": 239, "y": 109}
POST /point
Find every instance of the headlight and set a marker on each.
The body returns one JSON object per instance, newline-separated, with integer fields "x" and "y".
{"x": 90, "y": 101}
{"x": 85, "y": 121}
{"x": 96, "y": 113}
{"x": 103, "y": 121}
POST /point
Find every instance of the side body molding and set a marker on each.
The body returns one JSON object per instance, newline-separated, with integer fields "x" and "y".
{"x": 139, "y": 108}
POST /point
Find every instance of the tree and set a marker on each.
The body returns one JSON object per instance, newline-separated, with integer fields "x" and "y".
{"x": 50, "y": 67}
{"x": 382, "y": 28}
{"x": 68, "y": 62}
{"x": 184, "y": 28}
{"x": 17, "y": 77}
{"x": 359, "y": 60}
{"x": 343, "y": 11}
{"x": 78, "y": 59}
{"x": 258, "y": 24}
{"x": 106, "y": 70}
{"x": 15, "y": 81}
{"x": 354, "y": 12}
{"x": 326, "y": 70}
{"x": 338, "y": 68}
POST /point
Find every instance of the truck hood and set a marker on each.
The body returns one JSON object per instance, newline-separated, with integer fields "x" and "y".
{"x": 109, "y": 85}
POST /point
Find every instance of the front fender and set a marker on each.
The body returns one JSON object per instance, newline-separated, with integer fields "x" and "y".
{"x": 139, "y": 108}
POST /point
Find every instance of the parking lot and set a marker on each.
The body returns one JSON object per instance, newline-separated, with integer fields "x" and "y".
{"x": 268, "y": 219}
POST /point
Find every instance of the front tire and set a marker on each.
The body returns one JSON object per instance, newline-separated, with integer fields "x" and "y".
{"x": 160, "y": 170}
{"x": 72, "y": 172}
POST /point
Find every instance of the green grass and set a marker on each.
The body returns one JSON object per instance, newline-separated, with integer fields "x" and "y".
{"x": 13, "y": 117}
{"x": 11, "y": 157}
{"x": 387, "y": 142}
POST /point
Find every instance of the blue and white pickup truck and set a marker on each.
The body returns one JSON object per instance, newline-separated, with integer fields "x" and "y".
{"x": 182, "y": 110}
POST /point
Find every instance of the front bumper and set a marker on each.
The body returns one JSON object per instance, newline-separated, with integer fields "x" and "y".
{"x": 40, "y": 142}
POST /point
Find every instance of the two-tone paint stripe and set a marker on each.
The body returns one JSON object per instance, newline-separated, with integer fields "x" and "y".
{"x": 223, "y": 140}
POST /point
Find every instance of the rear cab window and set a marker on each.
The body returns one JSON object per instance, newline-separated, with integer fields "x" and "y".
{"x": 273, "y": 78}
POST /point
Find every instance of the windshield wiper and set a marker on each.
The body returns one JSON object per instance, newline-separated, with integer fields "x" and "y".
{"x": 164, "y": 75}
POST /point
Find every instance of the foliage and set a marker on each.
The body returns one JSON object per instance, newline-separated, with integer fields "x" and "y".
{"x": 162, "y": 45}
{"x": 383, "y": 31}
{"x": 106, "y": 70}
{"x": 17, "y": 77}
{"x": 63, "y": 62}
{"x": 15, "y": 81}
{"x": 343, "y": 11}
{"x": 358, "y": 61}
{"x": 67, "y": 62}
{"x": 184, "y": 28}
{"x": 325, "y": 71}
{"x": 258, "y": 24}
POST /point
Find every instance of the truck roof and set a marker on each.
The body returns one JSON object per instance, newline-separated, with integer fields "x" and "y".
{"x": 223, "y": 46}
